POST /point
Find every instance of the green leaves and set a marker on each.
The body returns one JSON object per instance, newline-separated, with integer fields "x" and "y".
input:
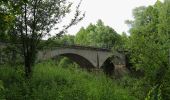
{"x": 149, "y": 42}
{"x": 97, "y": 35}
{"x": 154, "y": 93}
{"x": 1, "y": 86}
{"x": 9, "y": 9}
{"x": 1, "y": 90}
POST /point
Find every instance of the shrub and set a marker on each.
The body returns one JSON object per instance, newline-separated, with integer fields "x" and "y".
{"x": 51, "y": 82}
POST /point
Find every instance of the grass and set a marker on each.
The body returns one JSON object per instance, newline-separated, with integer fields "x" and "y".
{"x": 52, "y": 82}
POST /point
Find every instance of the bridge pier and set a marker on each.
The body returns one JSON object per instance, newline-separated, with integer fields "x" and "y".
{"x": 120, "y": 70}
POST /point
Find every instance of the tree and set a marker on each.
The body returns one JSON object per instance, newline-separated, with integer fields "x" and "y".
{"x": 9, "y": 9}
{"x": 81, "y": 37}
{"x": 97, "y": 35}
{"x": 36, "y": 19}
{"x": 60, "y": 41}
{"x": 149, "y": 42}
{"x": 7, "y": 15}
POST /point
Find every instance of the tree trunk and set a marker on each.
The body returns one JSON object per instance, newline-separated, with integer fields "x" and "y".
{"x": 30, "y": 57}
{"x": 28, "y": 66}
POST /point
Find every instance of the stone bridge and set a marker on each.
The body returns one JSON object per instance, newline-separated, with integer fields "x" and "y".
{"x": 87, "y": 57}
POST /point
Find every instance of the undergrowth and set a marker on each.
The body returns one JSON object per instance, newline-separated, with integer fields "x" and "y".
{"x": 52, "y": 82}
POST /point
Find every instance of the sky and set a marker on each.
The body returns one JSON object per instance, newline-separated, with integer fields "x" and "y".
{"x": 112, "y": 12}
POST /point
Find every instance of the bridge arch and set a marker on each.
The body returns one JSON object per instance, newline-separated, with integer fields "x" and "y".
{"x": 80, "y": 60}
{"x": 108, "y": 67}
{"x": 83, "y": 56}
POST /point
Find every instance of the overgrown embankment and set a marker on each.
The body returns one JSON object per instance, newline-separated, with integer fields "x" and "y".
{"x": 52, "y": 82}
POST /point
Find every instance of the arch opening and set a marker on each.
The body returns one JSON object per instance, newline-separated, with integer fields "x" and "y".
{"x": 81, "y": 61}
{"x": 108, "y": 67}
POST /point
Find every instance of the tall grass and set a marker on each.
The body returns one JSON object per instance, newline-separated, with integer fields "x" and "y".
{"x": 52, "y": 82}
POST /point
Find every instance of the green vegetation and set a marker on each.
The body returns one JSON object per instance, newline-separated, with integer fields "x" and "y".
{"x": 31, "y": 22}
{"x": 52, "y": 82}
{"x": 97, "y": 35}
{"x": 149, "y": 45}
{"x": 147, "y": 50}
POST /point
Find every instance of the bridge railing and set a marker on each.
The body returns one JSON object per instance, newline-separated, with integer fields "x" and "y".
{"x": 103, "y": 47}
{"x": 77, "y": 46}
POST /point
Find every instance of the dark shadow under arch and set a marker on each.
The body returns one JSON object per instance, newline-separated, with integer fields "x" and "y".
{"x": 81, "y": 61}
{"x": 108, "y": 67}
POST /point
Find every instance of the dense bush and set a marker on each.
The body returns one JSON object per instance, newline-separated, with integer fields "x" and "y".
{"x": 1, "y": 90}
{"x": 51, "y": 82}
